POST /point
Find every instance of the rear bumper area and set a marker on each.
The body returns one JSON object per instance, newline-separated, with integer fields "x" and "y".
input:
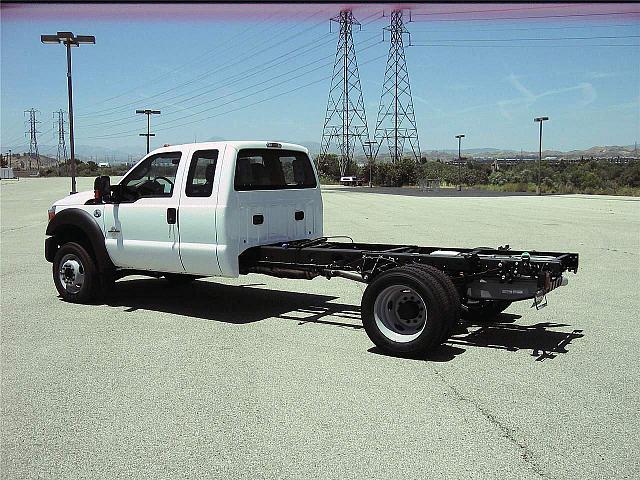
{"x": 493, "y": 289}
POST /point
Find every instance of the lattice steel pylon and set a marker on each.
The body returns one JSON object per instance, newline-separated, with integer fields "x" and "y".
{"x": 34, "y": 155}
{"x": 59, "y": 123}
{"x": 345, "y": 120}
{"x": 396, "y": 121}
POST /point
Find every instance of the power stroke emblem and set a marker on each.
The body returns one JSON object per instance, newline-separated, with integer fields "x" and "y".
{"x": 97, "y": 213}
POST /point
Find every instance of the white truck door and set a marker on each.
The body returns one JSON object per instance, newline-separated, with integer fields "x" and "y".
{"x": 197, "y": 212}
{"x": 141, "y": 232}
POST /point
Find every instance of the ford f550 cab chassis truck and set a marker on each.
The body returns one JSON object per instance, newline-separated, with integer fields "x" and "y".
{"x": 233, "y": 208}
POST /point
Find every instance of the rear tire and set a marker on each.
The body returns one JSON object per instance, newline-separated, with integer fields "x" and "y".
{"x": 452, "y": 293}
{"x": 75, "y": 274}
{"x": 483, "y": 310}
{"x": 406, "y": 310}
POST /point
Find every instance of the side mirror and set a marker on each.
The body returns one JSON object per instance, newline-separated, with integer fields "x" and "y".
{"x": 116, "y": 194}
{"x": 102, "y": 189}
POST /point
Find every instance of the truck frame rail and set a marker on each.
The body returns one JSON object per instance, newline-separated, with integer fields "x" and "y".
{"x": 481, "y": 273}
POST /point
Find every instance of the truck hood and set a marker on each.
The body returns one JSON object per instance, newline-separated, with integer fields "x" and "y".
{"x": 79, "y": 198}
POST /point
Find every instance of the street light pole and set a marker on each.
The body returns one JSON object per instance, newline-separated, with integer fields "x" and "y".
{"x": 71, "y": 138}
{"x": 540, "y": 120}
{"x": 459, "y": 137}
{"x": 148, "y": 112}
{"x": 69, "y": 40}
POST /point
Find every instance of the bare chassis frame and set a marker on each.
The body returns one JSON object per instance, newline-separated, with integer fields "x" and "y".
{"x": 363, "y": 262}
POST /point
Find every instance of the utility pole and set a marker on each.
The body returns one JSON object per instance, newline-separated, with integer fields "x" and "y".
{"x": 34, "y": 155}
{"x": 396, "y": 122}
{"x": 148, "y": 113}
{"x": 61, "y": 156}
{"x": 345, "y": 119}
{"x": 459, "y": 137}
{"x": 368, "y": 143}
{"x": 68, "y": 39}
{"x": 540, "y": 120}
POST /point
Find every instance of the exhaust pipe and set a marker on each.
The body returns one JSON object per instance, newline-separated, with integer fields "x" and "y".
{"x": 285, "y": 272}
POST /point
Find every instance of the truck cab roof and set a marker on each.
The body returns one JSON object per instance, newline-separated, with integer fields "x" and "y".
{"x": 236, "y": 144}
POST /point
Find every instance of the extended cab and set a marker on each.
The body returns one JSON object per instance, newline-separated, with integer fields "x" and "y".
{"x": 232, "y": 208}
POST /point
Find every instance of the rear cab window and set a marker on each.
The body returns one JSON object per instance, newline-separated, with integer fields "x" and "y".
{"x": 201, "y": 174}
{"x": 273, "y": 169}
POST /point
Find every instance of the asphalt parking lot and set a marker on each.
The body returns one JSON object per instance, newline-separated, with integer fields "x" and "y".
{"x": 259, "y": 377}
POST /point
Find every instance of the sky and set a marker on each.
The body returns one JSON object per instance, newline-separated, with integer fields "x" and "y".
{"x": 260, "y": 71}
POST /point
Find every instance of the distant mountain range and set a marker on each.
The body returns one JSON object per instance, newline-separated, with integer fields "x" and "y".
{"x": 124, "y": 154}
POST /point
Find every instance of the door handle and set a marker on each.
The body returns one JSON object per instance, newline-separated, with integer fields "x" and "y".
{"x": 172, "y": 216}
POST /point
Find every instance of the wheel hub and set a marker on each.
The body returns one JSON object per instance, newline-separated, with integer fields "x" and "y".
{"x": 400, "y": 313}
{"x": 71, "y": 273}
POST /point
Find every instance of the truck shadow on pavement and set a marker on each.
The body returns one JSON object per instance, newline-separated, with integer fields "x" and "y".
{"x": 541, "y": 339}
{"x": 244, "y": 304}
{"x": 232, "y": 304}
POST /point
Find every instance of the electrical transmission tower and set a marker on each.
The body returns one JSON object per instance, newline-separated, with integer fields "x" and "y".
{"x": 34, "y": 156}
{"x": 396, "y": 121}
{"x": 59, "y": 123}
{"x": 345, "y": 120}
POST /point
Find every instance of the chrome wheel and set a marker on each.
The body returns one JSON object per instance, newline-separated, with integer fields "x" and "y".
{"x": 400, "y": 313}
{"x": 71, "y": 273}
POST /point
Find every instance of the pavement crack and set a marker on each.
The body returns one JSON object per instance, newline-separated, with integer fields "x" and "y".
{"x": 525, "y": 453}
{"x": 5, "y": 230}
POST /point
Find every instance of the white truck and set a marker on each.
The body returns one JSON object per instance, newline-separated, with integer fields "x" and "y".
{"x": 232, "y": 208}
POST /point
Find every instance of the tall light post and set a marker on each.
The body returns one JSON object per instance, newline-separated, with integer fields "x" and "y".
{"x": 459, "y": 137}
{"x": 148, "y": 113}
{"x": 540, "y": 120}
{"x": 69, "y": 40}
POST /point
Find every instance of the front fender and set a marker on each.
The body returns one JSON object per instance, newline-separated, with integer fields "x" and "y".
{"x": 73, "y": 220}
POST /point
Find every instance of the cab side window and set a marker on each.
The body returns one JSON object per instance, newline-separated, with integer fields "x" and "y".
{"x": 201, "y": 173}
{"x": 154, "y": 177}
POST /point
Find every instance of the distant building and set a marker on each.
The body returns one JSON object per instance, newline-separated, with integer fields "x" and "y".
{"x": 104, "y": 165}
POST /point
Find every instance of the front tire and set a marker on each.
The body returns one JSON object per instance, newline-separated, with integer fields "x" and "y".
{"x": 75, "y": 274}
{"x": 406, "y": 310}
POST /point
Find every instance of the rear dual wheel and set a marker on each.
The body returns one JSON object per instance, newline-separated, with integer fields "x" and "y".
{"x": 410, "y": 309}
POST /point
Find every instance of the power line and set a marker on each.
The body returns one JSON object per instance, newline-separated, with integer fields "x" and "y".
{"x": 525, "y": 46}
{"x": 232, "y": 81}
{"x": 564, "y": 27}
{"x": 286, "y": 74}
{"x": 205, "y": 74}
{"x": 608, "y": 37}
{"x": 523, "y": 18}
{"x": 539, "y": 7}
{"x": 180, "y": 67}
{"x": 229, "y": 79}
{"x": 128, "y": 134}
